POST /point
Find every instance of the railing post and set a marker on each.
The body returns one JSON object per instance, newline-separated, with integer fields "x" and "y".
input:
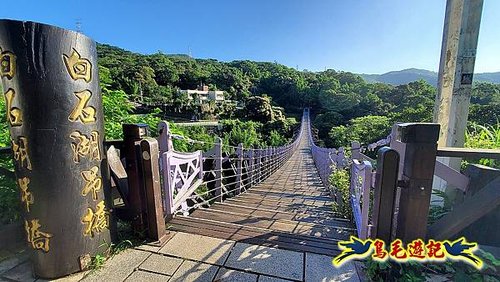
{"x": 168, "y": 197}
{"x": 257, "y": 165}
{"x": 218, "y": 169}
{"x": 272, "y": 161}
{"x": 384, "y": 195}
{"x": 276, "y": 158}
{"x": 399, "y": 147}
{"x": 251, "y": 167}
{"x": 341, "y": 157}
{"x": 355, "y": 150}
{"x": 151, "y": 173}
{"x": 268, "y": 161}
{"x": 239, "y": 168}
{"x": 133, "y": 133}
{"x": 164, "y": 138}
{"x": 418, "y": 171}
{"x": 367, "y": 184}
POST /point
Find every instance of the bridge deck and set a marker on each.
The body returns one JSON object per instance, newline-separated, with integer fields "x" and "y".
{"x": 290, "y": 210}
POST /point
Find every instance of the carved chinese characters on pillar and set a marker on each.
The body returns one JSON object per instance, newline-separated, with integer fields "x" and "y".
{"x": 78, "y": 67}
{"x": 39, "y": 240}
{"x": 84, "y": 146}
{"x": 27, "y": 197}
{"x": 82, "y": 112}
{"x": 21, "y": 154}
{"x": 14, "y": 115}
{"x": 93, "y": 183}
{"x": 95, "y": 221}
{"x": 7, "y": 64}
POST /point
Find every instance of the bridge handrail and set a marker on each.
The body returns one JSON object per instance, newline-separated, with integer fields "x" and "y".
{"x": 361, "y": 184}
{"x": 223, "y": 174}
{"x": 361, "y": 180}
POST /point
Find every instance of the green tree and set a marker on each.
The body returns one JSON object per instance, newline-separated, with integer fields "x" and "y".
{"x": 365, "y": 129}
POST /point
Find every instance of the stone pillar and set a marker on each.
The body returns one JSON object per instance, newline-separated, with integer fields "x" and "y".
{"x": 54, "y": 110}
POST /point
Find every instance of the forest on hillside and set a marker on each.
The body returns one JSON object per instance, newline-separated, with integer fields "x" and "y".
{"x": 345, "y": 106}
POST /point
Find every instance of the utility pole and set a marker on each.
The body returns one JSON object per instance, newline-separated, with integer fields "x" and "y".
{"x": 456, "y": 70}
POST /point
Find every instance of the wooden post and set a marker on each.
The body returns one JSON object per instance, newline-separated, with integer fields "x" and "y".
{"x": 418, "y": 171}
{"x": 151, "y": 178}
{"x": 218, "y": 169}
{"x": 239, "y": 168}
{"x": 384, "y": 197}
{"x": 54, "y": 111}
{"x": 133, "y": 133}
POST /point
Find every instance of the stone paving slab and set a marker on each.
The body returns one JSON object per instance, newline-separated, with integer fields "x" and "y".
{"x": 266, "y": 260}
{"x": 320, "y": 268}
{"x": 9, "y": 263}
{"x": 161, "y": 264}
{"x": 229, "y": 275}
{"x": 199, "y": 248}
{"x": 22, "y": 272}
{"x": 195, "y": 271}
{"x": 119, "y": 267}
{"x": 141, "y": 276}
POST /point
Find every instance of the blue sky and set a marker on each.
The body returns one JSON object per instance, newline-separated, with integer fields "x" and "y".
{"x": 364, "y": 36}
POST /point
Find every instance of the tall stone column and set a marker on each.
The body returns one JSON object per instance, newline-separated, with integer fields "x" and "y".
{"x": 54, "y": 109}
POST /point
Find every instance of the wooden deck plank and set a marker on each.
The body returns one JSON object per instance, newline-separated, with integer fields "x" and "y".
{"x": 254, "y": 236}
{"x": 291, "y": 207}
{"x": 281, "y": 215}
{"x": 316, "y": 230}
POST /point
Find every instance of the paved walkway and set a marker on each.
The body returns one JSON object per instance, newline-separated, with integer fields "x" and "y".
{"x": 189, "y": 257}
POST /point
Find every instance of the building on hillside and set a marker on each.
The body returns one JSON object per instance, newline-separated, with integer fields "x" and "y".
{"x": 202, "y": 94}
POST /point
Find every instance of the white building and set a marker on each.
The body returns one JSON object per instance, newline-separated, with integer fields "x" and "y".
{"x": 202, "y": 94}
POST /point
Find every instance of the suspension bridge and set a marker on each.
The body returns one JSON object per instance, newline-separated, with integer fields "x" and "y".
{"x": 287, "y": 207}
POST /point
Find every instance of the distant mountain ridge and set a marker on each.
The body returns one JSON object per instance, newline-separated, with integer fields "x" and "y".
{"x": 408, "y": 75}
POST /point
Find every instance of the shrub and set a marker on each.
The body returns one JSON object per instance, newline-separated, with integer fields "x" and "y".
{"x": 340, "y": 181}
{"x": 486, "y": 137}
